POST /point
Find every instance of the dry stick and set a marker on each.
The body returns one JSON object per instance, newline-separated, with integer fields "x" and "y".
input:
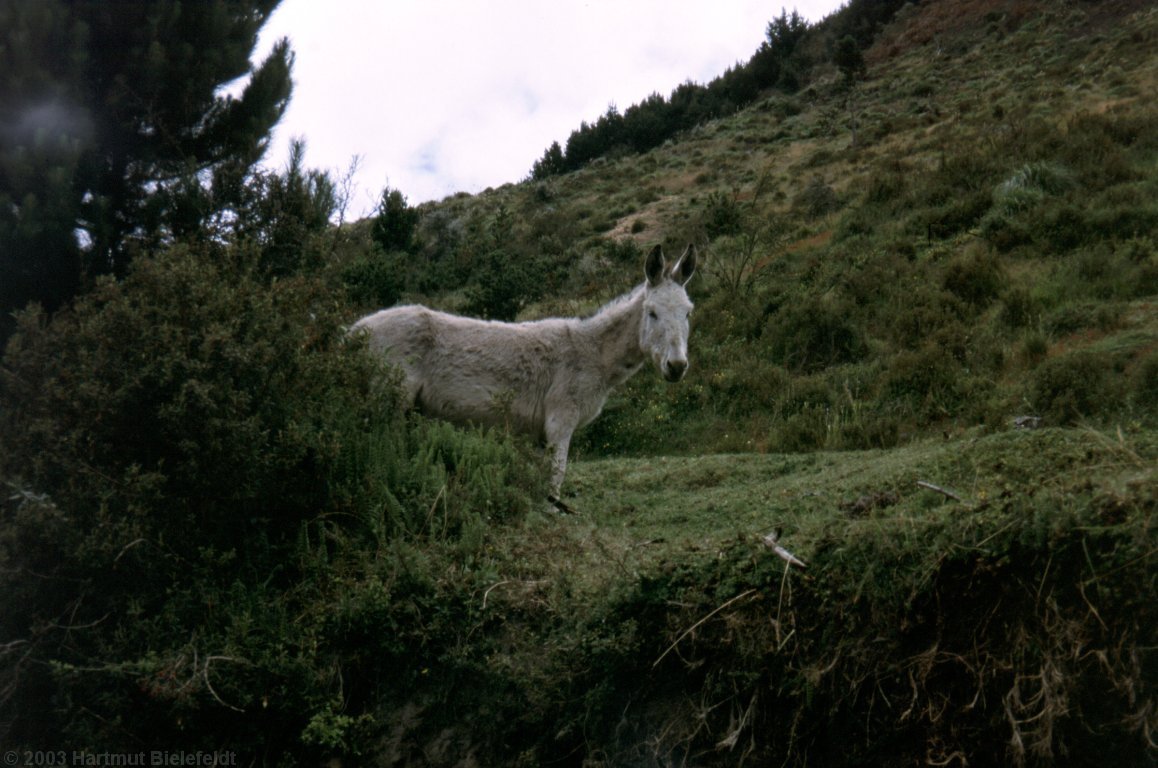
{"x": 780, "y": 643}
{"x": 524, "y": 582}
{"x": 693, "y": 627}
{"x": 772, "y": 542}
{"x": 943, "y": 491}
{"x": 209, "y": 660}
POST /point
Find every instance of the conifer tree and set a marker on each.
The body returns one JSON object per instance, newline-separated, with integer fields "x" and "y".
{"x": 115, "y": 129}
{"x": 395, "y": 222}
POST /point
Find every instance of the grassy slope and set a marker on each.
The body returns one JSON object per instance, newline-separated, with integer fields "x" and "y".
{"x": 953, "y": 296}
{"x": 1009, "y": 622}
{"x": 1006, "y": 625}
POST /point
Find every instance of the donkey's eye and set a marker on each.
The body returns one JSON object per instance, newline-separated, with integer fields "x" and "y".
{"x": 652, "y": 315}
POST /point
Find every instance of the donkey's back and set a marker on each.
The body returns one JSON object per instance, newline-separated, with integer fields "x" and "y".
{"x": 468, "y": 370}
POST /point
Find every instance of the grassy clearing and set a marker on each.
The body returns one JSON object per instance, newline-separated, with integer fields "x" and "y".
{"x": 1001, "y": 619}
{"x": 649, "y": 509}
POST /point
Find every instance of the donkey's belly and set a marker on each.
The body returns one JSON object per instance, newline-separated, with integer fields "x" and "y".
{"x": 482, "y": 404}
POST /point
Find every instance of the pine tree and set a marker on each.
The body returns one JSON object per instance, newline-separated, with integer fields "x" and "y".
{"x": 395, "y": 222}
{"x": 114, "y": 129}
{"x": 551, "y": 164}
{"x": 849, "y": 60}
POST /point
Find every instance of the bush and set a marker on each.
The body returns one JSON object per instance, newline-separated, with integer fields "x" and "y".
{"x": 374, "y": 280}
{"x": 975, "y": 278}
{"x": 505, "y": 284}
{"x": 949, "y": 218}
{"x": 1074, "y": 386}
{"x": 722, "y": 215}
{"x": 170, "y": 439}
{"x": 816, "y": 199}
{"x": 814, "y": 334}
{"x": 199, "y": 461}
{"x": 194, "y": 375}
{"x": 928, "y": 384}
{"x": 1019, "y": 309}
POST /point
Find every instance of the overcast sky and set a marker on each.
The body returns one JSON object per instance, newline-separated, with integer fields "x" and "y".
{"x": 443, "y": 96}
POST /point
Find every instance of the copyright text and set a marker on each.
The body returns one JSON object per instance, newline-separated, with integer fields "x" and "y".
{"x": 63, "y": 758}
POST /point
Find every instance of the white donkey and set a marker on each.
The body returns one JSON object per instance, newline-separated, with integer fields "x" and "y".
{"x": 545, "y": 378}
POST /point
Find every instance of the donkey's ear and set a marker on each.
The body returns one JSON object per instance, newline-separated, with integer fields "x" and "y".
{"x": 686, "y": 266}
{"x": 654, "y": 265}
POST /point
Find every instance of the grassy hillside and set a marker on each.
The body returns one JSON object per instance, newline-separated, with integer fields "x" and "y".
{"x": 220, "y": 533}
{"x": 896, "y": 271}
{"x": 948, "y": 243}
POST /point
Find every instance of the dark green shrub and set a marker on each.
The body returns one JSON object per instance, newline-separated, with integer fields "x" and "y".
{"x": 1017, "y": 203}
{"x": 857, "y": 222}
{"x": 1063, "y": 227}
{"x": 913, "y": 316}
{"x": 956, "y": 215}
{"x": 887, "y": 184}
{"x": 1070, "y": 318}
{"x": 1074, "y": 386}
{"x": 722, "y": 215}
{"x": 1030, "y": 184}
{"x": 928, "y": 384}
{"x": 395, "y": 222}
{"x": 191, "y": 373}
{"x": 801, "y": 432}
{"x": 975, "y": 278}
{"x": 1034, "y": 348}
{"x": 195, "y": 458}
{"x": 487, "y": 476}
{"x": 1019, "y": 308}
{"x": 803, "y": 395}
{"x": 375, "y": 280}
{"x": 816, "y": 199}
{"x": 1005, "y": 231}
{"x": 813, "y": 334}
{"x": 740, "y": 390}
{"x": 1096, "y": 145}
{"x": 188, "y": 424}
{"x": 286, "y": 216}
{"x": 504, "y": 284}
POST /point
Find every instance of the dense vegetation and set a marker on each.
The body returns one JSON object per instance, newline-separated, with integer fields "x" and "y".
{"x": 219, "y": 532}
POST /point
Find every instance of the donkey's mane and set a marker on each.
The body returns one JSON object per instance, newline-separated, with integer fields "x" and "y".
{"x": 614, "y": 303}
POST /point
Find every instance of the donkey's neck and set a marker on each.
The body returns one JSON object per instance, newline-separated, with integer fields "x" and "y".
{"x": 614, "y": 330}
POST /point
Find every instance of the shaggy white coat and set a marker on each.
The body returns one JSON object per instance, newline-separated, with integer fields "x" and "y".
{"x": 545, "y": 378}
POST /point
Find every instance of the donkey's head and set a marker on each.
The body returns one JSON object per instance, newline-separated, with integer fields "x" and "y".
{"x": 663, "y": 328}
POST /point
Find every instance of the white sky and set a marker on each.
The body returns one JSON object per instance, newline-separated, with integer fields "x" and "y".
{"x": 444, "y": 96}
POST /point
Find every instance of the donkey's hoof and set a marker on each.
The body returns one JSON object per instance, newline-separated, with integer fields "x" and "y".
{"x": 560, "y": 506}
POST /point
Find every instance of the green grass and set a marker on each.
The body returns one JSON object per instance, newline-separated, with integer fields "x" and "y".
{"x": 920, "y": 610}
{"x": 654, "y": 505}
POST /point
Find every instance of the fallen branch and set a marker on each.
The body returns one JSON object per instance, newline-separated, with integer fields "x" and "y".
{"x": 528, "y": 583}
{"x": 943, "y": 491}
{"x": 209, "y": 686}
{"x": 772, "y": 542}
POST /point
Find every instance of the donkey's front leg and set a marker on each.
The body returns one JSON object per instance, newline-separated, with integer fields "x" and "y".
{"x": 558, "y": 434}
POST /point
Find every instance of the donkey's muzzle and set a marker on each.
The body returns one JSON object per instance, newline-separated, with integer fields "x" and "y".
{"x": 674, "y": 370}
